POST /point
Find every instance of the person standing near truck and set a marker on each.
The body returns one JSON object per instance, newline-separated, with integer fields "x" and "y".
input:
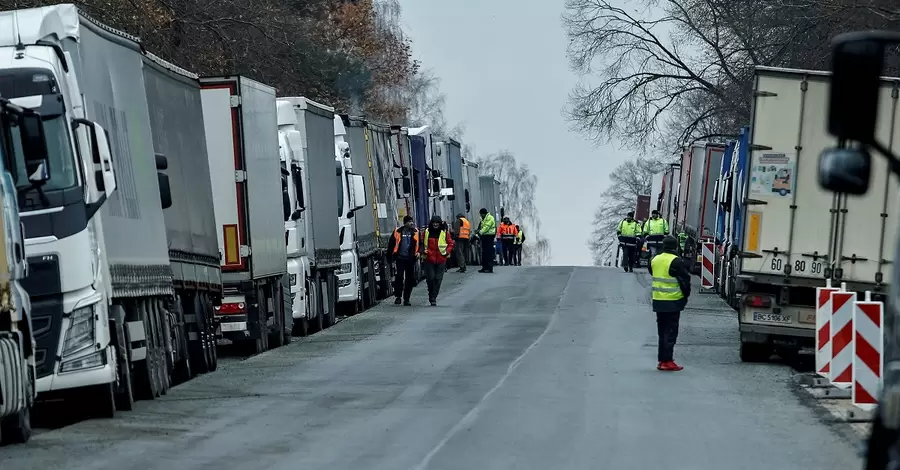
{"x": 655, "y": 229}
{"x": 487, "y": 231}
{"x": 507, "y": 237}
{"x": 520, "y": 239}
{"x": 671, "y": 288}
{"x": 462, "y": 228}
{"x": 628, "y": 231}
{"x": 437, "y": 248}
{"x": 404, "y": 248}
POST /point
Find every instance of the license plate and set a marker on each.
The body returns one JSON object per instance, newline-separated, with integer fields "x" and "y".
{"x": 232, "y": 326}
{"x": 771, "y": 318}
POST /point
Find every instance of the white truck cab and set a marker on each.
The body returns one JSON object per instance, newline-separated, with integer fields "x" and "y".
{"x": 294, "y": 197}
{"x": 352, "y": 198}
{"x": 65, "y": 239}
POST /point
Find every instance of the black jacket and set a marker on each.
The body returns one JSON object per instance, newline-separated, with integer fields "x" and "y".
{"x": 679, "y": 271}
{"x": 393, "y": 242}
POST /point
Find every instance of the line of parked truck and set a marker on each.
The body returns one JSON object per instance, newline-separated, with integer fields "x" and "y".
{"x": 777, "y": 234}
{"x": 164, "y": 214}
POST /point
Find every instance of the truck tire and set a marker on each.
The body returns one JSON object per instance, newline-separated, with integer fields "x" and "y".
{"x": 755, "y": 352}
{"x": 276, "y": 336}
{"x": 327, "y": 300}
{"x": 16, "y": 429}
{"x": 164, "y": 330}
{"x": 124, "y": 386}
{"x": 315, "y": 304}
{"x": 182, "y": 370}
{"x": 285, "y": 313}
{"x": 211, "y": 352}
{"x": 144, "y": 372}
{"x": 198, "y": 350}
{"x": 332, "y": 289}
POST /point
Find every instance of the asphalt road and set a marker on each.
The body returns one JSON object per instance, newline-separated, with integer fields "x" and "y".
{"x": 529, "y": 368}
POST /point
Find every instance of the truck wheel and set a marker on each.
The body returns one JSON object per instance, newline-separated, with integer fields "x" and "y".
{"x": 198, "y": 351}
{"x": 755, "y": 352}
{"x": 166, "y": 366}
{"x": 276, "y": 337}
{"x": 285, "y": 312}
{"x": 144, "y": 370}
{"x": 124, "y": 390}
{"x": 182, "y": 369}
{"x": 100, "y": 401}
{"x": 159, "y": 360}
{"x": 327, "y": 301}
{"x": 16, "y": 429}
{"x": 211, "y": 352}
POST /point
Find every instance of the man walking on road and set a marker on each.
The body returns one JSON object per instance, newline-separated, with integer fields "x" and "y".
{"x": 404, "y": 248}
{"x": 486, "y": 232}
{"x": 655, "y": 230}
{"x": 671, "y": 289}
{"x": 628, "y": 231}
{"x": 462, "y": 228}
{"x": 437, "y": 248}
{"x": 520, "y": 239}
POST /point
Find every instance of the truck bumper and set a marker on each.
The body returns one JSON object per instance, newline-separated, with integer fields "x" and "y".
{"x": 103, "y": 374}
{"x": 777, "y": 335}
{"x": 347, "y": 279}
{"x": 233, "y": 327}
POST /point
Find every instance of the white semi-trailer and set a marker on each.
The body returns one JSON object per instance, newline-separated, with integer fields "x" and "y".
{"x": 796, "y": 234}
{"x": 240, "y": 118}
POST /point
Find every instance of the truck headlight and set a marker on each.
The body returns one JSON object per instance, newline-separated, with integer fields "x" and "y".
{"x": 345, "y": 268}
{"x": 80, "y": 334}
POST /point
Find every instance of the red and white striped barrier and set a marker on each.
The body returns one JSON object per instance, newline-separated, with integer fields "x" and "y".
{"x": 708, "y": 268}
{"x": 868, "y": 348}
{"x": 823, "y": 328}
{"x": 840, "y": 372}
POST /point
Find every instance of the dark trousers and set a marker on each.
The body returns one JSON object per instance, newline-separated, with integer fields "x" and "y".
{"x": 517, "y": 255}
{"x": 667, "y": 329}
{"x": 406, "y": 271}
{"x": 629, "y": 244}
{"x": 507, "y": 251}
{"x": 487, "y": 252}
{"x": 434, "y": 276}
{"x": 462, "y": 252}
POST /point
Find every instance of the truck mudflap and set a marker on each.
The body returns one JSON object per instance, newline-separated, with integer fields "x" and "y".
{"x": 13, "y": 373}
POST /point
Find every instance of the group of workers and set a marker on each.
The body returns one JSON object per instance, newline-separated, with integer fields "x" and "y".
{"x": 441, "y": 242}
{"x": 634, "y": 234}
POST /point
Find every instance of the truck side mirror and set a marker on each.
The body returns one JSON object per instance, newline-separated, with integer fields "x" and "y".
{"x": 296, "y": 215}
{"x": 435, "y": 186}
{"x": 359, "y": 191}
{"x": 165, "y": 191}
{"x": 104, "y": 173}
{"x": 845, "y": 170}
{"x": 855, "y": 83}
{"x": 34, "y": 147}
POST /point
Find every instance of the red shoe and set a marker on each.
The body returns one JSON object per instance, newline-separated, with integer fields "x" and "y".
{"x": 672, "y": 366}
{"x": 661, "y": 366}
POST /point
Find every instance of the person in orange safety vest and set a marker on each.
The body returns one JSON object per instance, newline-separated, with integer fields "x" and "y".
{"x": 507, "y": 232}
{"x": 404, "y": 248}
{"x": 463, "y": 230}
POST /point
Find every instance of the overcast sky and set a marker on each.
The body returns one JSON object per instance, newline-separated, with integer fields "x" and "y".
{"x": 503, "y": 67}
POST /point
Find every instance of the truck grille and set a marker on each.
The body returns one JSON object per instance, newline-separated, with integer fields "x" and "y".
{"x": 44, "y": 287}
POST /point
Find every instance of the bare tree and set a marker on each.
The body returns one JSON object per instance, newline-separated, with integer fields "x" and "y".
{"x": 517, "y": 187}
{"x": 627, "y": 182}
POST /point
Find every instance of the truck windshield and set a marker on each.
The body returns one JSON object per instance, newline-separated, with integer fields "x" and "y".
{"x": 39, "y": 88}
{"x": 62, "y": 161}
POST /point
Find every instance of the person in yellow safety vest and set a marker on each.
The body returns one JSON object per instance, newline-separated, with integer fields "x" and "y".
{"x": 655, "y": 229}
{"x": 463, "y": 230}
{"x": 628, "y": 231}
{"x": 487, "y": 230}
{"x": 671, "y": 288}
{"x": 520, "y": 240}
{"x": 437, "y": 247}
